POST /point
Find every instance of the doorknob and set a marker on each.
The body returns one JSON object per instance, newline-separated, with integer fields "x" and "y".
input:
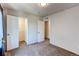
{"x": 3, "y": 40}
{"x": 8, "y": 34}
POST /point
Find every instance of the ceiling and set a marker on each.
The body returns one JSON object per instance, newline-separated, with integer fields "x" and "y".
{"x": 35, "y": 8}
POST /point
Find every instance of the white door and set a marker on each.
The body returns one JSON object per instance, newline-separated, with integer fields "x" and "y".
{"x": 40, "y": 31}
{"x": 32, "y": 30}
{"x": 12, "y": 32}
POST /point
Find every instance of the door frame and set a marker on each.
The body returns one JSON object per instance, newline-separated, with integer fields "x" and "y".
{"x": 3, "y": 25}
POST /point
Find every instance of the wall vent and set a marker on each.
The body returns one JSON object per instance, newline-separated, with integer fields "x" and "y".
{"x": 46, "y": 17}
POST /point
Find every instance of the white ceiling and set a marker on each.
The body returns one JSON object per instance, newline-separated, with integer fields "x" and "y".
{"x": 36, "y": 9}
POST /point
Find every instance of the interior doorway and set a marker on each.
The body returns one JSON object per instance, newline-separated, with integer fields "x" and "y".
{"x": 22, "y": 31}
{"x": 16, "y": 32}
{"x": 46, "y": 30}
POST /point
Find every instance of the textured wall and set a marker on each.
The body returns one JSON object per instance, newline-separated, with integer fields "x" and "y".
{"x": 64, "y": 28}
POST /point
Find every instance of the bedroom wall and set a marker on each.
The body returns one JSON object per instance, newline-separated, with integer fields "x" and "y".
{"x": 64, "y": 29}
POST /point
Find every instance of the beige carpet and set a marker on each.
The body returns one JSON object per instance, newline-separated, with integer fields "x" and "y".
{"x": 40, "y": 49}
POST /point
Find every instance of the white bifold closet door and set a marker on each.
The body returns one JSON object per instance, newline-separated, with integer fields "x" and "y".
{"x": 40, "y": 30}
{"x": 34, "y": 30}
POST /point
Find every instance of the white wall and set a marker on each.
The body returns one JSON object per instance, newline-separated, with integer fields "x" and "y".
{"x": 26, "y": 30}
{"x": 64, "y": 27}
{"x": 1, "y": 30}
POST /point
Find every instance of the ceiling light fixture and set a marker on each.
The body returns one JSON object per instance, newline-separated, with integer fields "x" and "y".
{"x": 43, "y": 4}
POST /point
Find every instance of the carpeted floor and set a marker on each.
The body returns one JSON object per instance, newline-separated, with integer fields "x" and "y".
{"x": 40, "y": 49}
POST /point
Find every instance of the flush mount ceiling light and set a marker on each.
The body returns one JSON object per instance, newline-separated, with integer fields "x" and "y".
{"x": 43, "y": 4}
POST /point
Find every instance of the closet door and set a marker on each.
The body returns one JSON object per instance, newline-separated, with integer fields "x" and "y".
{"x": 32, "y": 29}
{"x": 40, "y": 31}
